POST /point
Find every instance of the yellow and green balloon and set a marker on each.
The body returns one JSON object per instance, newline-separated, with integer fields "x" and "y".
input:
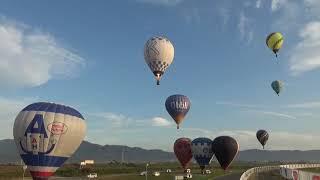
{"x": 274, "y": 42}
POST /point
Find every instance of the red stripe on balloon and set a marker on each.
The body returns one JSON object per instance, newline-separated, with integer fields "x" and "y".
{"x": 40, "y": 175}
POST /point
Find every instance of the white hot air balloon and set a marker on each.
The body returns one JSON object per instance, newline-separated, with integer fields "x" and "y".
{"x": 46, "y": 135}
{"x": 158, "y": 54}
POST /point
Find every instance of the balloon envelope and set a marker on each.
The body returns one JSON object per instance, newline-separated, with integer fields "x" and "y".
{"x": 274, "y": 41}
{"x": 46, "y": 135}
{"x": 262, "y": 136}
{"x": 277, "y": 86}
{"x": 182, "y": 150}
{"x": 158, "y": 54}
{"x": 178, "y": 106}
{"x": 225, "y": 149}
{"x": 202, "y": 151}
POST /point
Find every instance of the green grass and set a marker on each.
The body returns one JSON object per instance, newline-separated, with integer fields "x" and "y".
{"x": 166, "y": 176}
{"x": 272, "y": 175}
{"x": 130, "y": 171}
{"x": 314, "y": 170}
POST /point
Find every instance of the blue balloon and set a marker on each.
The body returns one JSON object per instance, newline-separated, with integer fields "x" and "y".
{"x": 202, "y": 151}
{"x": 178, "y": 106}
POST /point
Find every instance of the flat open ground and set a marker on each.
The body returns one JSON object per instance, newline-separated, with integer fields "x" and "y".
{"x": 314, "y": 170}
{"x": 116, "y": 171}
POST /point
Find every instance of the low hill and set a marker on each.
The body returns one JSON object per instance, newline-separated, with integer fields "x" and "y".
{"x": 107, "y": 153}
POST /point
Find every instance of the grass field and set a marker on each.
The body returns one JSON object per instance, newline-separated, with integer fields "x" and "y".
{"x": 314, "y": 170}
{"x": 272, "y": 175}
{"x": 117, "y": 171}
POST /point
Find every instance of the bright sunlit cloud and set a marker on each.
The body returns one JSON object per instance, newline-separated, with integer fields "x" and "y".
{"x": 31, "y": 58}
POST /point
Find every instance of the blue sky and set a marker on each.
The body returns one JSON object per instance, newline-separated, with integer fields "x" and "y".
{"x": 90, "y": 56}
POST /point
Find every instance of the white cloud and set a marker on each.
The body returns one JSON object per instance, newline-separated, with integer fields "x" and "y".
{"x": 191, "y": 15}
{"x": 115, "y": 120}
{"x": 237, "y": 104}
{"x": 225, "y": 15}
{"x": 258, "y": 3}
{"x": 9, "y": 110}
{"x": 121, "y": 121}
{"x": 246, "y": 32}
{"x": 161, "y": 2}
{"x": 275, "y": 114}
{"x": 313, "y": 6}
{"x": 31, "y": 58}
{"x": 306, "y": 55}
{"x": 306, "y": 105}
{"x": 291, "y": 16}
{"x": 242, "y": 23}
{"x": 204, "y": 132}
{"x": 159, "y": 121}
{"x": 277, "y": 4}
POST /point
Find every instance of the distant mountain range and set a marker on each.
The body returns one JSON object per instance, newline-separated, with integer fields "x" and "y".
{"x": 107, "y": 153}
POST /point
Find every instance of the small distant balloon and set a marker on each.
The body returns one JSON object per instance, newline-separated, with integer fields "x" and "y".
{"x": 46, "y": 135}
{"x": 225, "y": 149}
{"x": 277, "y": 86}
{"x": 275, "y": 41}
{"x": 202, "y": 151}
{"x": 182, "y": 150}
{"x": 158, "y": 54}
{"x": 178, "y": 106}
{"x": 262, "y": 136}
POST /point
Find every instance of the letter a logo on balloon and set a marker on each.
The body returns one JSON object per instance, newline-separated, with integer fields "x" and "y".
{"x": 45, "y": 150}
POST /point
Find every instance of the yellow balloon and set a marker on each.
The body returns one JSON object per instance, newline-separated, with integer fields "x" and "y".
{"x": 275, "y": 41}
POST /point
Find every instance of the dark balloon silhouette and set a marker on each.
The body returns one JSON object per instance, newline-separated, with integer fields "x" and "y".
{"x": 178, "y": 106}
{"x": 182, "y": 150}
{"x": 277, "y": 86}
{"x": 262, "y": 136}
{"x": 225, "y": 149}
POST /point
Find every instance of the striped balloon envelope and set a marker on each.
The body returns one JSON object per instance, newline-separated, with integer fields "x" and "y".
{"x": 46, "y": 135}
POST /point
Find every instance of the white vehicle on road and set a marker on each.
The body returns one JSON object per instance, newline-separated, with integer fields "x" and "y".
{"x": 92, "y": 175}
{"x": 156, "y": 173}
{"x": 144, "y": 173}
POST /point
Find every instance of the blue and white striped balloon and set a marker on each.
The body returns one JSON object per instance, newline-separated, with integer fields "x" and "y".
{"x": 46, "y": 135}
{"x": 202, "y": 151}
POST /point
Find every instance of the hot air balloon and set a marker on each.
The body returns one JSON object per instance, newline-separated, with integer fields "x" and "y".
{"x": 262, "y": 136}
{"x": 158, "y": 54}
{"x": 274, "y": 41}
{"x": 178, "y": 106}
{"x": 46, "y": 135}
{"x": 182, "y": 150}
{"x": 277, "y": 86}
{"x": 202, "y": 151}
{"x": 225, "y": 149}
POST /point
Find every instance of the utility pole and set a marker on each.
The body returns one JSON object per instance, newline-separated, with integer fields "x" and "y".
{"x": 122, "y": 156}
{"x": 147, "y": 171}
